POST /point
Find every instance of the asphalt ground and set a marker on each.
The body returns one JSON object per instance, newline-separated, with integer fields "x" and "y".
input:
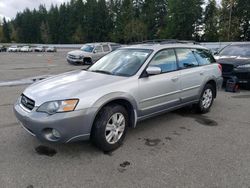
{"x": 177, "y": 149}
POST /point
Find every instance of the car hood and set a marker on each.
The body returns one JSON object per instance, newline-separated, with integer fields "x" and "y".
{"x": 68, "y": 85}
{"x": 233, "y": 60}
{"x": 79, "y": 53}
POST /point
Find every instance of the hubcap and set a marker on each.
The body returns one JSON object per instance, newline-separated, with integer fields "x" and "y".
{"x": 207, "y": 98}
{"x": 115, "y": 128}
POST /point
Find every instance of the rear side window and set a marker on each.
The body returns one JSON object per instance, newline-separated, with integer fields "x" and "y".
{"x": 204, "y": 57}
{"x": 166, "y": 60}
{"x": 98, "y": 49}
{"x": 186, "y": 58}
{"x": 105, "y": 48}
{"x": 115, "y": 46}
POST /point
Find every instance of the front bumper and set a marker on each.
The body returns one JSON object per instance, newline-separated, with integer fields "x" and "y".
{"x": 72, "y": 126}
{"x": 74, "y": 61}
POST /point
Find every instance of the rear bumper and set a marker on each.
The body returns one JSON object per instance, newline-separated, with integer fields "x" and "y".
{"x": 243, "y": 76}
{"x": 72, "y": 126}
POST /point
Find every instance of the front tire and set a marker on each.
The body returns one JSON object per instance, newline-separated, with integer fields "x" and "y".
{"x": 206, "y": 99}
{"x": 110, "y": 127}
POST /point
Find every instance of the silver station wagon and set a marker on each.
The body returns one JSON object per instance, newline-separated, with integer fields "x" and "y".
{"x": 126, "y": 86}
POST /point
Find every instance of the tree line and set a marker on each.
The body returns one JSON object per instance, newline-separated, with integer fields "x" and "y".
{"x": 127, "y": 21}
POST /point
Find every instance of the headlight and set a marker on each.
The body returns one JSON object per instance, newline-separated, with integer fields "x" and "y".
{"x": 58, "y": 106}
{"x": 244, "y": 66}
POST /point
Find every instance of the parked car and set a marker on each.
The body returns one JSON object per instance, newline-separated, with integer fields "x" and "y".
{"x": 90, "y": 53}
{"x": 26, "y": 49}
{"x": 235, "y": 61}
{"x": 13, "y": 49}
{"x": 3, "y": 48}
{"x": 126, "y": 86}
{"x": 51, "y": 49}
{"x": 39, "y": 49}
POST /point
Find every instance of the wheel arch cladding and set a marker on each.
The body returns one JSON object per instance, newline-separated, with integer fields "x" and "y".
{"x": 127, "y": 104}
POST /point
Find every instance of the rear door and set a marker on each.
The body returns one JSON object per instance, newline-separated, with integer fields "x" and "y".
{"x": 98, "y": 53}
{"x": 192, "y": 75}
{"x": 162, "y": 91}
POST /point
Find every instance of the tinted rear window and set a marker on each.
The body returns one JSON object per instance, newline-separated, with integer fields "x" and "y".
{"x": 236, "y": 50}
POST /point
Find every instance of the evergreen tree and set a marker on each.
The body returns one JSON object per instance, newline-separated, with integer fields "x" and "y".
{"x": 6, "y": 31}
{"x": 229, "y": 22}
{"x": 243, "y": 13}
{"x": 183, "y": 18}
{"x": 44, "y": 29}
{"x": 211, "y": 22}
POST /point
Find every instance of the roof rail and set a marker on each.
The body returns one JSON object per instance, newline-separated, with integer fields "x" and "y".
{"x": 167, "y": 41}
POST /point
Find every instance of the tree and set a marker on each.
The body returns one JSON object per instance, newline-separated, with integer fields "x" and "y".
{"x": 124, "y": 16}
{"x": 153, "y": 14}
{"x": 78, "y": 36}
{"x": 135, "y": 31}
{"x": 229, "y": 22}
{"x": 183, "y": 18}
{"x": 44, "y": 29}
{"x": 6, "y": 31}
{"x": 243, "y": 13}
{"x": 211, "y": 22}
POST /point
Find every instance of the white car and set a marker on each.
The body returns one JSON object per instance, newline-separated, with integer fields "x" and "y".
{"x": 13, "y": 49}
{"x": 26, "y": 49}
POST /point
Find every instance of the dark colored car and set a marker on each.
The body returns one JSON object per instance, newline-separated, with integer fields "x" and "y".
{"x": 3, "y": 48}
{"x": 235, "y": 61}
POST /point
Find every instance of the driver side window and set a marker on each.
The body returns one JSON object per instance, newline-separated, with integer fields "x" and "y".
{"x": 166, "y": 60}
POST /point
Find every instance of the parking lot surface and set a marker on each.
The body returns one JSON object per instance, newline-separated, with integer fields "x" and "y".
{"x": 177, "y": 149}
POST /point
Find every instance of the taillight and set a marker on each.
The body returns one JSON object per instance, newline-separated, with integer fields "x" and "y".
{"x": 220, "y": 67}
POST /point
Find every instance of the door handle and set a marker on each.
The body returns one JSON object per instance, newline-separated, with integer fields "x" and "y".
{"x": 174, "y": 79}
{"x": 202, "y": 73}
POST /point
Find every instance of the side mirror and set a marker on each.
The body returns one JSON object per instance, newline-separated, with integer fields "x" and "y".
{"x": 153, "y": 70}
{"x": 95, "y": 51}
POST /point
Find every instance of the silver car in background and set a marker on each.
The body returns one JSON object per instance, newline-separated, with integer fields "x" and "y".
{"x": 90, "y": 53}
{"x": 126, "y": 86}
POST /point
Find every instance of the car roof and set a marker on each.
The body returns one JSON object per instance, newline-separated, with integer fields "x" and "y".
{"x": 239, "y": 43}
{"x": 100, "y": 43}
{"x": 158, "y": 46}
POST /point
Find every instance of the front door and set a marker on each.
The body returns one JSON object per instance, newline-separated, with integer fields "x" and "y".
{"x": 162, "y": 91}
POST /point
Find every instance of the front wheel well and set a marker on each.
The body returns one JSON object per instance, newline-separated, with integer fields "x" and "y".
{"x": 127, "y": 105}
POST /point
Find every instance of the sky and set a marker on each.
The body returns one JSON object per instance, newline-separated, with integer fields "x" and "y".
{"x": 9, "y": 8}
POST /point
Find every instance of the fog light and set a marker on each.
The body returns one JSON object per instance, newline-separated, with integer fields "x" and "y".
{"x": 55, "y": 133}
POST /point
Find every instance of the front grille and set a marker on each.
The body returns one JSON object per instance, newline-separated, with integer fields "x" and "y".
{"x": 27, "y": 102}
{"x": 227, "y": 68}
{"x": 73, "y": 57}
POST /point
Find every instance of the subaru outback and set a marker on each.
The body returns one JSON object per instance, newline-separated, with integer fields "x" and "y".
{"x": 126, "y": 86}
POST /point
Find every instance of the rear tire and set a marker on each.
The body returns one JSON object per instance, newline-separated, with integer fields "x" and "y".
{"x": 206, "y": 99}
{"x": 110, "y": 127}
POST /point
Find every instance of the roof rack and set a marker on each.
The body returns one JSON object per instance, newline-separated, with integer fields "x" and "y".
{"x": 167, "y": 41}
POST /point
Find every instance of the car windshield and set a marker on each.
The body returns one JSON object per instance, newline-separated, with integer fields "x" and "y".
{"x": 87, "y": 48}
{"x": 236, "y": 50}
{"x": 122, "y": 62}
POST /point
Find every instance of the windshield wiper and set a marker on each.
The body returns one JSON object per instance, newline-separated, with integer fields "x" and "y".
{"x": 102, "y": 71}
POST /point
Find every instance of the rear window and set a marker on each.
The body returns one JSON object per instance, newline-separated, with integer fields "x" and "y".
{"x": 204, "y": 57}
{"x": 186, "y": 58}
{"x": 115, "y": 46}
{"x": 236, "y": 50}
{"x": 105, "y": 48}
